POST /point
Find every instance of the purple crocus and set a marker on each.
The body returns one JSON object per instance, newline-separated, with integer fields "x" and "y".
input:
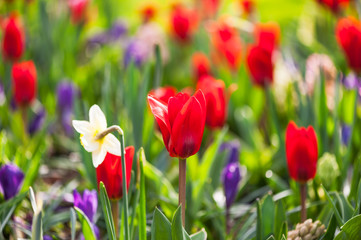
{"x": 2, "y": 95}
{"x": 37, "y": 121}
{"x": 351, "y": 81}
{"x": 88, "y": 203}
{"x": 234, "y": 149}
{"x": 231, "y": 177}
{"x": 11, "y": 180}
{"x": 66, "y": 94}
{"x": 116, "y": 32}
{"x": 136, "y": 52}
{"x": 345, "y": 134}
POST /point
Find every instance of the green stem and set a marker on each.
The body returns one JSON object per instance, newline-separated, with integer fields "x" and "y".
{"x": 182, "y": 187}
{"x": 125, "y": 192}
{"x": 303, "y": 192}
{"x": 115, "y": 213}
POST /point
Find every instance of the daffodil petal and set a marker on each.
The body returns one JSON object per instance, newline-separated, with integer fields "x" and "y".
{"x": 98, "y": 156}
{"x": 82, "y": 127}
{"x": 89, "y": 143}
{"x": 112, "y": 144}
{"x": 97, "y": 117}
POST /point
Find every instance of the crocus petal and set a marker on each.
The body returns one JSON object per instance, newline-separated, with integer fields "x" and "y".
{"x": 112, "y": 144}
{"x": 82, "y": 127}
{"x": 97, "y": 117}
{"x": 98, "y": 156}
{"x": 188, "y": 127}
{"x": 160, "y": 112}
{"x": 89, "y": 143}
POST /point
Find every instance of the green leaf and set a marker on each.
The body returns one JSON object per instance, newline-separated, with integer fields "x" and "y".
{"x": 177, "y": 227}
{"x": 337, "y": 214}
{"x": 37, "y": 228}
{"x": 72, "y": 223}
{"x": 351, "y": 229}
{"x": 201, "y": 235}
{"x": 107, "y": 212}
{"x": 86, "y": 225}
{"x": 161, "y": 227}
{"x": 330, "y": 233}
{"x": 280, "y": 219}
{"x": 12, "y": 202}
{"x": 6, "y": 219}
{"x": 32, "y": 200}
{"x": 265, "y": 218}
{"x": 142, "y": 205}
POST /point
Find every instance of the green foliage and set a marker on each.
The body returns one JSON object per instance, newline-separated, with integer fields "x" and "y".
{"x": 86, "y": 225}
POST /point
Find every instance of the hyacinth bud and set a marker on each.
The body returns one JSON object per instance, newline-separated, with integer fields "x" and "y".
{"x": 307, "y": 230}
{"x": 328, "y": 169}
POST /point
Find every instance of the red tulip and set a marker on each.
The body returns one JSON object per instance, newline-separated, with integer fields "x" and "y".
{"x": 110, "y": 173}
{"x": 301, "y": 152}
{"x": 247, "y": 6}
{"x": 201, "y": 65}
{"x": 260, "y": 65}
{"x": 215, "y": 94}
{"x": 334, "y": 5}
{"x": 209, "y": 7}
{"x": 24, "y": 82}
{"x": 77, "y": 10}
{"x": 13, "y": 39}
{"x": 163, "y": 93}
{"x": 181, "y": 122}
{"x": 227, "y": 44}
{"x": 184, "y": 22}
{"x": 348, "y": 34}
{"x": 267, "y": 35}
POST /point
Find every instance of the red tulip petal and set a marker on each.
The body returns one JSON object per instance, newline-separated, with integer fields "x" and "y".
{"x": 175, "y": 105}
{"x": 129, "y": 155}
{"x": 188, "y": 127}
{"x": 160, "y": 112}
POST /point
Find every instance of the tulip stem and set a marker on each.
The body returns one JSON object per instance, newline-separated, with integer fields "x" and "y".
{"x": 303, "y": 192}
{"x": 182, "y": 187}
{"x": 115, "y": 213}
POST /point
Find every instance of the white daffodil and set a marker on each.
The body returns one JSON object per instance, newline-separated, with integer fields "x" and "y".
{"x": 88, "y": 131}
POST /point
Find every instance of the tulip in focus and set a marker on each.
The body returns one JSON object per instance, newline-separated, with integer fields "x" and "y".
{"x": 302, "y": 155}
{"x": 78, "y": 10}
{"x": 13, "y": 44}
{"x": 200, "y": 65}
{"x": 24, "y": 80}
{"x": 164, "y": 93}
{"x": 184, "y": 22}
{"x": 217, "y": 102}
{"x": 181, "y": 122}
{"x": 110, "y": 173}
{"x": 348, "y": 35}
{"x": 11, "y": 180}
{"x": 88, "y": 131}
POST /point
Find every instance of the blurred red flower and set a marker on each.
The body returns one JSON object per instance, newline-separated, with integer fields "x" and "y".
{"x": 334, "y": 5}
{"x": 184, "y": 22}
{"x": 260, "y": 65}
{"x": 301, "y": 152}
{"x": 227, "y": 44}
{"x": 13, "y": 43}
{"x": 348, "y": 34}
{"x": 110, "y": 172}
{"x": 181, "y": 122}
{"x": 78, "y": 10}
{"x": 200, "y": 65}
{"x": 216, "y": 99}
{"x": 164, "y": 93}
{"x": 148, "y": 11}
{"x": 209, "y": 8}
{"x": 267, "y": 35}
{"x": 247, "y": 6}
{"x": 24, "y": 82}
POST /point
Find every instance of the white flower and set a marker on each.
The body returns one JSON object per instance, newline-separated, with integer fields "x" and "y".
{"x": 88, "y": 130}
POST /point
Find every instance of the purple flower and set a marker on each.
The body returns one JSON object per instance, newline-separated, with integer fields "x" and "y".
{"x": 2, "y": 95}
{"x": 234, "y": 149}
{"x": 136, "y": 52}
{"x": 66, "y": 94}
{"x": 351, "y": 81}
{"x": 118, "y": 30}
{"x": 345, "y": 134}
{"x": 37, "y": 121}
{"x": 231, "y": 177}
{"x": 11, "y": 179}
{"x": 88, "y": 203}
